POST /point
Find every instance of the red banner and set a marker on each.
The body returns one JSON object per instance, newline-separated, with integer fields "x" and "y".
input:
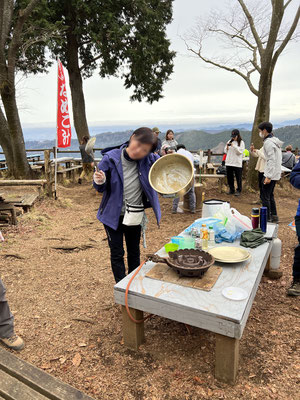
{"x": 63, "y": 117}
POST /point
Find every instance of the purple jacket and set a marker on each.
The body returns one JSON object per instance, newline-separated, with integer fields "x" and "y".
{"x": 111, "y": 205}
{"x": 295, "y": 181}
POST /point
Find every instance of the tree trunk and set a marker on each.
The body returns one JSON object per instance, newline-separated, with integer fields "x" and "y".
{"x": 6, "y": 144}
{"x": 262, "y": 113}
{"x": 78, "y": 102}
{"x": 21, "y": 166}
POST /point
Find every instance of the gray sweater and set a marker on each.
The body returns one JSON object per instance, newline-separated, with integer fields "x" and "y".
{"x": 288, "y": 160}
{"x": 133, "y": 192}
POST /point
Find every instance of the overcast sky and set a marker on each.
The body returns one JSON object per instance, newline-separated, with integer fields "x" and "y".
{"x": 194, "y": 94}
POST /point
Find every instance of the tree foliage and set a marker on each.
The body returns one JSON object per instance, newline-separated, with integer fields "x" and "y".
{"x": 121, "y": 38}
{"x": 24, "y": 31}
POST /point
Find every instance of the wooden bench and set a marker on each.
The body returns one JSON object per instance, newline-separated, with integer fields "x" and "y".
{"x": 11, "y": 209}
{"x": 70, "y": 172}
{"x": 40, "y": 183}
{"x": 220, "y": 177}
{"x": 25, "y": 201}
{"x": 20, "y": 380}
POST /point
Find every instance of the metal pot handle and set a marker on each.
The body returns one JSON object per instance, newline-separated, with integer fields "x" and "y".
{"x": 157, "y": 259}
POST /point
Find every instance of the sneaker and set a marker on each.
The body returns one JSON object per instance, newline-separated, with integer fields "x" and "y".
{"x": 79, "y": 181}
{"x": 294, "y": 290}
{"x": 229, "y": 193}
{"x": 174, "y": 211}
{"x": 275, "y": 218}
{"x": 193, "y": 211}
{"x": 237, "y": 193}
{"x": 14, "y": 342}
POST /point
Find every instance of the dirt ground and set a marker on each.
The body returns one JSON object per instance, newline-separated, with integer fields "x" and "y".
{"x": 64, "y": 309}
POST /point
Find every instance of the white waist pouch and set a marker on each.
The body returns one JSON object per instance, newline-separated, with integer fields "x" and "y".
{"x": 133, "y": 214}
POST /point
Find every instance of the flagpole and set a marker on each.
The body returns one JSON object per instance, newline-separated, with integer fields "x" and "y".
{"x": 55, "y": 150}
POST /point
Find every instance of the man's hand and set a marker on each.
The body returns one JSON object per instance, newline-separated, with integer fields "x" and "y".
{"x": 252, "y": 147}
{"x": 267, "y": 181}
{"x": 99, "y": 177}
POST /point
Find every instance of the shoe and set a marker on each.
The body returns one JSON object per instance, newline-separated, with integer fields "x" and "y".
{"x": 174, "y": 211}
{"x": 294, "y": 290}
{"x": 79, "y": 181}
{"x": 237, "y": 193}
{"x": 274, "y": 218}
{"x": 229, "y": 193}
{"x": 14, "y": 342}
{"x": 193, "y": 211}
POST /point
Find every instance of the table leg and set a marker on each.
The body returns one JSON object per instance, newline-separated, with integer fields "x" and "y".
{"x": 133, "y": 334}
{"x": 227, "y": 358}
{"x": 267, "y": 267}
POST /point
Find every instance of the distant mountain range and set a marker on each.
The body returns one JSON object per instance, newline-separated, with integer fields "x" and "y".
{"x": 192, "y": 139}
{"x": 44, "y": 133}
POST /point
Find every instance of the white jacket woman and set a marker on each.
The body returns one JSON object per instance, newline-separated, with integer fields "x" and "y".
{"x": 234, "y": 150}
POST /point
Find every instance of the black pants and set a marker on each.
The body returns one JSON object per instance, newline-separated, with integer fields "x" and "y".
{"x": 267, "y": 198}
{"x": 237, "y": 172}
{"x": 296, "y": 265}
{"x": 260, "y": 183}
{"x": 132, "y": 236}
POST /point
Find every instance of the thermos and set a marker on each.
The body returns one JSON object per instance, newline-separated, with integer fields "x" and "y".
{"x": 263, "y": 218}
{"x": 255, "y": 218}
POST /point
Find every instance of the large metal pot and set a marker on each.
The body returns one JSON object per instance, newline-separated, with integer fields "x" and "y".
{"x": 172, "y": 174}
{"x": 186, "y": 262}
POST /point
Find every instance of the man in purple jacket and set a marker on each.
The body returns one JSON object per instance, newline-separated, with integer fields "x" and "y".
{"x": 294, "y": 290}
{"x": 122, "y": 177}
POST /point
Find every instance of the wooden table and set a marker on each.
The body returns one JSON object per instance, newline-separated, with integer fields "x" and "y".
{"x": 206, "y": 310}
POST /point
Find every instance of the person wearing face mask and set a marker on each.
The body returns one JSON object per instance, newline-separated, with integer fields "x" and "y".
{"x": 122, "y": 177}
{"x": 272, "y": 172}
{"x": 234, "y": 150}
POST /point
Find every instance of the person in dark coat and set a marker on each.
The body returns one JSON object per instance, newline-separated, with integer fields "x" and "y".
{"x": 294, "y": 290}
{"x": 123, "y": 180}
{"x": 156, "y": 131}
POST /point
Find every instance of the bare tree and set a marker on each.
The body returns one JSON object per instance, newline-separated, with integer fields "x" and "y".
{"x": 252, "y": 38}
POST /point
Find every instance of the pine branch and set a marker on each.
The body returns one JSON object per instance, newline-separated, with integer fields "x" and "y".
{"x": 16, "y": 38}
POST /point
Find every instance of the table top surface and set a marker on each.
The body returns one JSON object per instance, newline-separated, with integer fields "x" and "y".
{"x": 245, "y": 275}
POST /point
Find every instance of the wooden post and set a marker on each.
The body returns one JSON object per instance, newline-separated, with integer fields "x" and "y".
{"x": 227, "y": 358}
{"x": 48, "y": 172}
{"x": 267, "y": 267}
{"x": 221, "y": 180}
{"x": 13, "y": 216}
{"x": 209, "y": 156}
{"x": 133, "y": 334}
{"x": 198, "y": 193}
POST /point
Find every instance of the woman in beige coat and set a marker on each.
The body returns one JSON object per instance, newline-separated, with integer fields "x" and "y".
{"x": 260, "y": 165}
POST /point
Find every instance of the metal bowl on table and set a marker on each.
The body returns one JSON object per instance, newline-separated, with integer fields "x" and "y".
{"x": 172, "y": 174}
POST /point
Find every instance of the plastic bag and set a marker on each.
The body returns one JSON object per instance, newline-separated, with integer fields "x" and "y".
{"x": 241, "y": 221}
{"x": 198, "y": 224}
{"x": 232, "y": 224}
